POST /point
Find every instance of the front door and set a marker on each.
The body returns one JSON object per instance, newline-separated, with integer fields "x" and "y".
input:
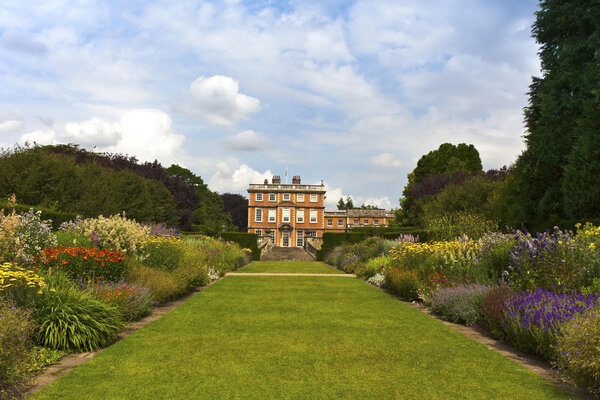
{"x": 285, "y": 239}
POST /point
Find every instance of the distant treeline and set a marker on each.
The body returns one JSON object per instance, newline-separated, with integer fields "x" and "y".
{"x": 70, "y": 179}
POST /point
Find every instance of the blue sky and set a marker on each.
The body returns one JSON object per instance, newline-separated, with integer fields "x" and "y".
{"x": 350, "y": 92}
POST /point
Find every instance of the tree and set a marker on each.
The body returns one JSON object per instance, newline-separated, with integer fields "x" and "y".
{"x": 237, "y": 206}
{"x": 557, "y": 174}
{"x": 349, "y": 203}
{"x": 439, "y": 165}
{"x": 341, "y": 205}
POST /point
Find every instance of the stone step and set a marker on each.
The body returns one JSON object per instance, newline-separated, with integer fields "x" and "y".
{"x": 286, "y": 254}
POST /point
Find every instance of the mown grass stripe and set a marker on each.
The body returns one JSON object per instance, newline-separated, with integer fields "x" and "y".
{"x": 298, "y": 338}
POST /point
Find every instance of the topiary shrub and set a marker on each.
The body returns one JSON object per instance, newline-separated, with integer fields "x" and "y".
{"x": 74, "y": 320}
{"x": 579, "y": 350}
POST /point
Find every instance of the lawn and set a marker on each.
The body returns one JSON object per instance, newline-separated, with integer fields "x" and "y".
{"x": 290, "y": 266}
{"x": 278, "y": 337}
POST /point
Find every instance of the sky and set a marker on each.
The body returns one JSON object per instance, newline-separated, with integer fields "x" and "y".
{"x": 349, "y": 92}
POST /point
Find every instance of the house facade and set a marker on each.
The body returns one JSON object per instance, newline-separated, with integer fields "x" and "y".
{"x": 288, "y": 214}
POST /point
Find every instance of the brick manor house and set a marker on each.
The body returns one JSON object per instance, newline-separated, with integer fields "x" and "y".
{"x": 288, "y": 214}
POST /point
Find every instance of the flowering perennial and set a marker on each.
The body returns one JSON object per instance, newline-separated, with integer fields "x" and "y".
{"x": 533, "y": 319}
{"x": 86, "y": 262}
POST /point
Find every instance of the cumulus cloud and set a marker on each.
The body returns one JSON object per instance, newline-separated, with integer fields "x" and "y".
{"x": 386, "y": 160}
{"x": 10, "y": 125}
{"x": 40, "y": 136}
{"x": 245, "y": 141}
{"x": 146, "y": 134}
{"x": 217, "y": 100}
{"x": 233, "y": 177}
{"x": 94, "y": 132}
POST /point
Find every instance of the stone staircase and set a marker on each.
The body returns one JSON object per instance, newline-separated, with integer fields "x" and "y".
{"x": 286, "y": 254}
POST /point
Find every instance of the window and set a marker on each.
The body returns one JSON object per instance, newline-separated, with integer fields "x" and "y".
{"x": 300, "y": 216}
{"x": 313, "y": 216}
{"x": 258, "y": 215}
{"x": 258, "y": 196}
{"x": 300, "y": 238}
{"x": 286, "y": 196}
{"x": 272, "y": 213}
{"x": 355, "y": 222}
{"x": 258, "y": 232}
{"x": 286, "y": 215}
{"x": 340, "y": 222}
{"x": 311, "y": 233}
{"x": 366, "y": 222}
{"x": 271, "y": 234}
{"x": 271, "y": 197}
{"x": 375, "y": 222}
{"x": 314, "y": 198}
{"x": 329, "y": 222}
{"x": 300, "y": 197}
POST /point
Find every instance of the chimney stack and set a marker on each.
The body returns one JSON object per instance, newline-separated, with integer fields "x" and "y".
{"x": 296, "y": 180}
{"x": 276, "y": 179}
{"x": 266, "y": 181}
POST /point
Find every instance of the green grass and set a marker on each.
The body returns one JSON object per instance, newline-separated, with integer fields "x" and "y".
{"x": 249, "y": 337}
{"x": 290, "y": 266}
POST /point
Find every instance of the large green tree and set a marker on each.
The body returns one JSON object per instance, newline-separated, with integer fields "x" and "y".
{"x": 448, "y": 160}
{"x": 557, "y": 175}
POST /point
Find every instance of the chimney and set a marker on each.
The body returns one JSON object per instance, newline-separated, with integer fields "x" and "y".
{"x": 266, "y": 181}
{"x": 276, "y": 179}
{"x": 296, "y": 180}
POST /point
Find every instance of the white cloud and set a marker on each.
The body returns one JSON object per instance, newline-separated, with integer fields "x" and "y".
{"x": 10, "y": 126}
{"x": 231, "y": 177}
{"x": 245, "y": 141}
{"x": 387, "y": 160}
{"x": 40, "y": 137}
{"x": 217, "y": 100}
{"x": 94, "y": 132}
{"x": 380, "y": 202}
{"x": 144, "y": 133}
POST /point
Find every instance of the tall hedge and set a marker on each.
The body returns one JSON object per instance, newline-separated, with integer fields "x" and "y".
{"x": 57, "y": 217}
{"x": 245, "y": 240}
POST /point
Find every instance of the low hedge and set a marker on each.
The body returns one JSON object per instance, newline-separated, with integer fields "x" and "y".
{"x": 245, "y": 240}
{"x": 57, "y": 217}
{"x": 334, "y": 239}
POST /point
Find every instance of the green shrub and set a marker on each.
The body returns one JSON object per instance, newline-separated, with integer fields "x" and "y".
{"x": 579, "y": 350}
{"x": 74, "y": 320}
{"x": 16, "y": 331}
{"x": 374, "y": 266}
{"x": 245, "y": 240}
{"x": 73, "y": 239}
{"x": 162, "y": 252}
{"x": 404, "y": 282}
{"x": 192, "y": 269}
{"x": 451, "y": 226}
{"x": 333, "y": 239}
{"x": 494, "y": 257}
{"x": 460, "y": 304}
{"x": 163, "y": 285}
{"x": 594, "y": 288}
{"x": 492, "y": 309}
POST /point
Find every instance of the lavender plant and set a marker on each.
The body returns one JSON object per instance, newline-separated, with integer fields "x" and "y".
{"x": 533, "y": 319}
{"x": 461, "y": 304}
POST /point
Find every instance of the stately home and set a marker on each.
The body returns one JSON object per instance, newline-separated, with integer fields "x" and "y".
{"x": 288, "y": 214}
